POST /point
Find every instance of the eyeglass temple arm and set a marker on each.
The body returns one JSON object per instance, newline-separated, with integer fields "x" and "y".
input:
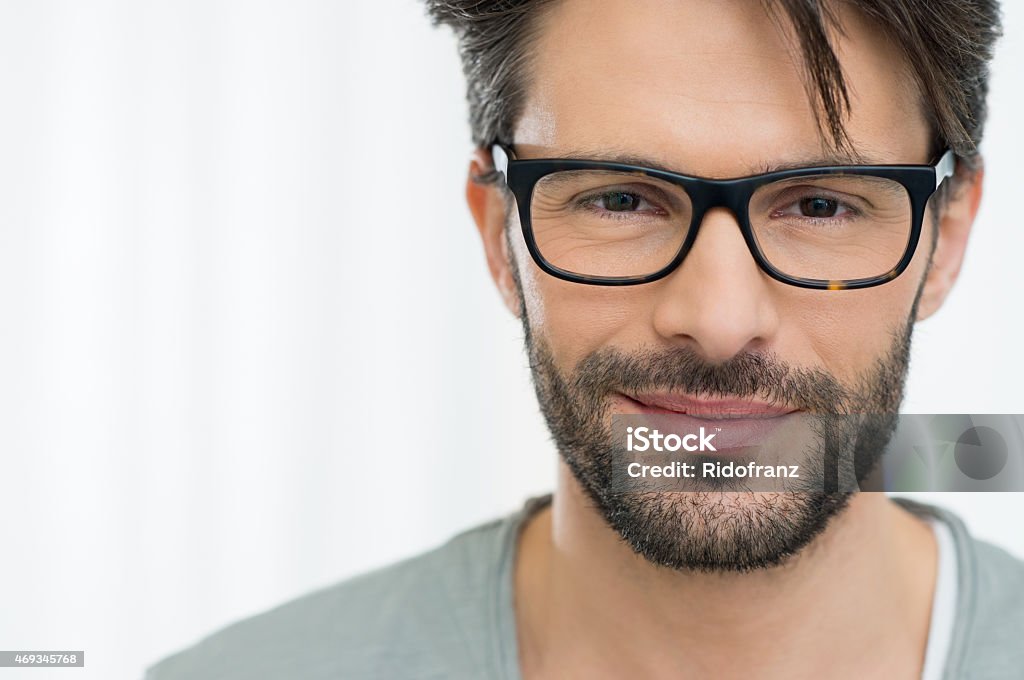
{"x": 946, "y": 167}
{"x": 500, "y": 160}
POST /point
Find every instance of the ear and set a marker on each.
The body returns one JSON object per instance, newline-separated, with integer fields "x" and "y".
{"x": 487, "y": 204}
{"x": 955, "y": 222}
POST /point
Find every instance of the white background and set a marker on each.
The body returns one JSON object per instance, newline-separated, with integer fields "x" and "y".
{"x": 243, "y": 310}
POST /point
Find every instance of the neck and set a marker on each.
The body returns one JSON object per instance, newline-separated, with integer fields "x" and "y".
{"x": 584, "y": 597}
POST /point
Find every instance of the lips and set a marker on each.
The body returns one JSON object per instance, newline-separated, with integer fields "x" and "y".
{"x": 739, "y": 424}
{"x": 664, "y": 402}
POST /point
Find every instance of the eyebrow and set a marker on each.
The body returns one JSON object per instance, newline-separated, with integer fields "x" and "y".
{"x": 818, "y": 161}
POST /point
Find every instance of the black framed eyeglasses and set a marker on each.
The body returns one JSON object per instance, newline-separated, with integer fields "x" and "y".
{"x": 612, "y": 224}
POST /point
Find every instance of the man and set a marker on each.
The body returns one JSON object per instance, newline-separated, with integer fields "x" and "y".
{"x": 652, "y": 288}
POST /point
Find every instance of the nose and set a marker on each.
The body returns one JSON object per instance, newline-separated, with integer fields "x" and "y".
{"x": 718, "y": 300}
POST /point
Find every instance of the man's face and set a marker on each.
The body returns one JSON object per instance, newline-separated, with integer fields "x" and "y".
{"x": 715, "y": 89}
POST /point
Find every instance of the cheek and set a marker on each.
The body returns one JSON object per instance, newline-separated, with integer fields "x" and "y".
{"x": 576, "y": 319}
{"x": 849, "y": 330}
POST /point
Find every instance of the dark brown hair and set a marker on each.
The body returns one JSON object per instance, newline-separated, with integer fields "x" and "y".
{"x": 948, "y": 44}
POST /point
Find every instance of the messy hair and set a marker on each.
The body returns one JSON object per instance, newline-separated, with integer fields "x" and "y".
{"x": 947, "y": 43}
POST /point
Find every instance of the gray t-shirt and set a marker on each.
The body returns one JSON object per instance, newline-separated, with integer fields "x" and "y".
{"x": 448, "y": 614}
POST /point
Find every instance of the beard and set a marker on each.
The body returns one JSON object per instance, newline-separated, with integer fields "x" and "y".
{"x": 720, "y": 531}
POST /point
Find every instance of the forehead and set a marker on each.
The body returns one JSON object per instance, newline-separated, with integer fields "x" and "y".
{"x": 712, "y": 87}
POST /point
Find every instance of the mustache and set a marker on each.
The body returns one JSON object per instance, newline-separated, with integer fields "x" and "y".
{"x": 752, "y": 375}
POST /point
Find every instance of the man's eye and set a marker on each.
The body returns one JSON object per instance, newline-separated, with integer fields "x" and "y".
{"x": 619, "y": 201}
{"x": 819, "y": 207}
